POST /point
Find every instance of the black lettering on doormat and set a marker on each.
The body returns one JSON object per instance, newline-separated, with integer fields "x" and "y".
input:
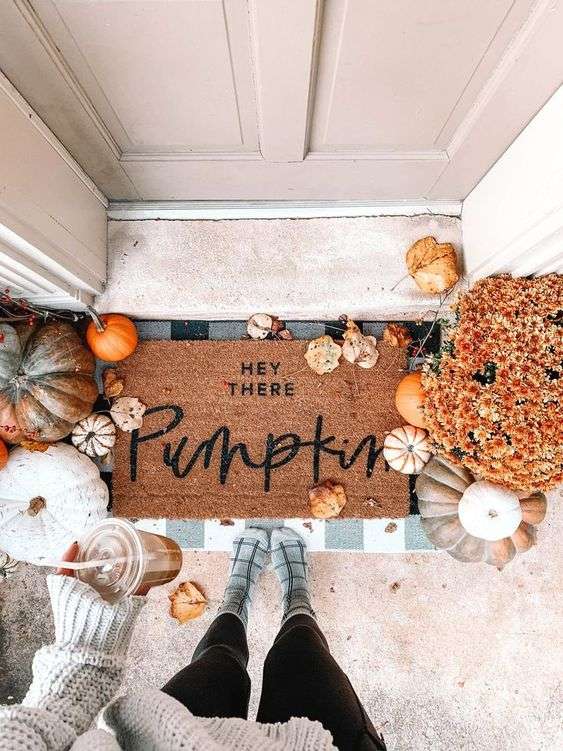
{"x": 263, "y": 388}
{"x": 278, "y": 451}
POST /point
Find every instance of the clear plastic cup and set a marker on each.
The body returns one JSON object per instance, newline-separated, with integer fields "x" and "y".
{"x": 144, "y": 559}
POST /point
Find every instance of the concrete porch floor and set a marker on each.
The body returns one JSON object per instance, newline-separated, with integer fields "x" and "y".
{"x": 444, "y": 655}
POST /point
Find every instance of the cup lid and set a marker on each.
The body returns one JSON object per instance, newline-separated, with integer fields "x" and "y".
{"x": 113, "y": 539}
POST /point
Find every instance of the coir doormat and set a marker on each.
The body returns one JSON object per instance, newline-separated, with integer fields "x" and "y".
{"x": 243, "y": 429}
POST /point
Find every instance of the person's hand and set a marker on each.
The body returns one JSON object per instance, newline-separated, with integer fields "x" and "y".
{"x": 69, "y": 555}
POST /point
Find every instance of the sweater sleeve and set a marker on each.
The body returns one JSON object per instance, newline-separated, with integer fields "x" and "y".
{"x": 77, "y": 675}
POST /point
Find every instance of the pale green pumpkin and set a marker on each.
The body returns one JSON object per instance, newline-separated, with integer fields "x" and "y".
{"x": 47, "y": 382}
{"x": 440, "y": 488}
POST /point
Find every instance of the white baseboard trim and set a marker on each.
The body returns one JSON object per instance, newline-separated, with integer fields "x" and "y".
{"x": 185, "y": 210}
{"x": 28, "y": 273}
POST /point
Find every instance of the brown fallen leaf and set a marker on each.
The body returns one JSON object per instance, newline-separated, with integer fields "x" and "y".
{"x": 127, "y": 413}
{"x": 113, "y": 385}
{"x": 327, "y": 500}
{"x": 277, "y": 326}
{"x": 432, "y": 265}
{"x": 397, "y": 335}
{"x": 34, "y": 445}
{"x": 391, "y": 527}
{"x": 285, "y": 335}
{"x": 187, "y": 602}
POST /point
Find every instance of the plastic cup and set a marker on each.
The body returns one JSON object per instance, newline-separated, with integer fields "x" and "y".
{"x": 136, "y": 560}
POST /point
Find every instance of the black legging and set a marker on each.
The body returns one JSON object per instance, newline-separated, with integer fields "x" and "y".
{"x": 301, "y": 679}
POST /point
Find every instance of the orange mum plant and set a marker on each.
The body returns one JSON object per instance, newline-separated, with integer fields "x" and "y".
{"x": 493, "y": 392}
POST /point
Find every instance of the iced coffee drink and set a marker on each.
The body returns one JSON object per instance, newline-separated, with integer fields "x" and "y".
{"x": 133, "y": 560}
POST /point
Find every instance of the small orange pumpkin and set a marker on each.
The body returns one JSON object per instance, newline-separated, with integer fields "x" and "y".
{"x": 3, "y": 454}
{"x": 409, "y": 399}
{"x": 111, "y": 337}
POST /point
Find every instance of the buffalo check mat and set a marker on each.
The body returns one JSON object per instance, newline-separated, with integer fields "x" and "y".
{"x": 368, "y": 535}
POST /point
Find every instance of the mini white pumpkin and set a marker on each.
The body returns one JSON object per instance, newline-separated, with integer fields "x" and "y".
{"x": 8, "y": 566}
{"x": 48, "y": 500}
{"x": 94, "y": 436}
{"x": 407, "y": 449}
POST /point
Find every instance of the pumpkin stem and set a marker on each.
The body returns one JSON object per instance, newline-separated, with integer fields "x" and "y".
{"x": 36, "y": 505}
{"x": 98, "y": 323}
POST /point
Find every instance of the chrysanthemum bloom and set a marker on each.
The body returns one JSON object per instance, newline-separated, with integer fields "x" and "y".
{"x": 493, "y": 395}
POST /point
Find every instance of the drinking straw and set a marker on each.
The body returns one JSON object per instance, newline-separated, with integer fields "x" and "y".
{"x": 81, "y": 565}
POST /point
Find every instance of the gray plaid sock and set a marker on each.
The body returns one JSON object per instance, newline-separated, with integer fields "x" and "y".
{"x": 247, "y": 563}
{"x": 288, "y": 559}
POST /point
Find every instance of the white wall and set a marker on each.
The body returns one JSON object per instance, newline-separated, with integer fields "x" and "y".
{"x": 52, "y": 218}
{"x": 513, "y": 219}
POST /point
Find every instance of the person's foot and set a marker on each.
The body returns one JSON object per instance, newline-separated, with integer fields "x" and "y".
{"x": 289, "y": 563}
{"x": 247, "y": 563}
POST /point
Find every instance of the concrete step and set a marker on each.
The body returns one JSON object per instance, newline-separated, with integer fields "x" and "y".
{"x": 294, "y": 268}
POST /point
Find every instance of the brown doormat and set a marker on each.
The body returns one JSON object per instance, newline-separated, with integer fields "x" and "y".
{"x": 243, "y": 429}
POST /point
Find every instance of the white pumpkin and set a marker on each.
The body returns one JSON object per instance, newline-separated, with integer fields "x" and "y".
{"x": 440, "y": 488}
{"x": 407, "y": 449}
{"x": 94, "y": 435}
{"x": 489, "y": 511}
{"x": 8, "y": 566}
{"x": 48, "y": 500}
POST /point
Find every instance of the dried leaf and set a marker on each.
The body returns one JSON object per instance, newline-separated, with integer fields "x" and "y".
{"x": 127, "y": 413}
{"x": 113, "y": 385}
{"x": 35, "y": 445}
{"x": 327, "y": 500}
{"x": 285, "y": 334}
{"x": 323, "y": 354}
{"x": 432, "y": 265}
{"x": 359, "y": 349}
{"x": 108, "y": 460}
{"x": 259, "y": 326}
{"x": 186, "y": 602}
{"x": 397, "y": 335}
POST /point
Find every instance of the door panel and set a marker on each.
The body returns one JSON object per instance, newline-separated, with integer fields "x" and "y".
{"x": 300, "y": 99}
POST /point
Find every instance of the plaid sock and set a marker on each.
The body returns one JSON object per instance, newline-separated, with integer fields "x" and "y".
{"x": 288, "y": 559}
{"x": 247, "y": 563}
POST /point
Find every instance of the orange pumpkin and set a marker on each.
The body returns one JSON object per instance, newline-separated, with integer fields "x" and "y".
{"x": 409, "y": 399}
{"x": 111, "y": 337}
{"x": 3, "y": 454}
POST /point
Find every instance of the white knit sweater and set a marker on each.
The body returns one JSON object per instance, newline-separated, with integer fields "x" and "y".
{"x": 74, "y": 678}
